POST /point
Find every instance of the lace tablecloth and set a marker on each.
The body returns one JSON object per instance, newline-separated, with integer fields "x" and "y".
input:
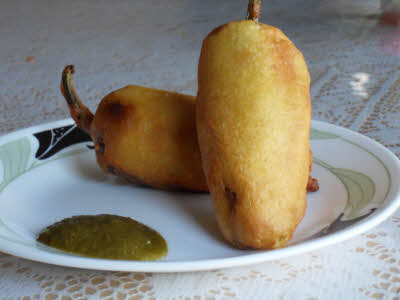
{"x": 355, "y": 68}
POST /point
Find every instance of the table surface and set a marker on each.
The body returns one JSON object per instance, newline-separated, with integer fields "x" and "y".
{"x": 355, "y": 68}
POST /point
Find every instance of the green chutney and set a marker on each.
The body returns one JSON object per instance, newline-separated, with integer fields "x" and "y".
{"x": 105, "y": 236}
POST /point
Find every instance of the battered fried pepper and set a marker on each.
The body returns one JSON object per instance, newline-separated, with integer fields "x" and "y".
{"x": 144, "y": 135}
{"x": 253, "y": 115}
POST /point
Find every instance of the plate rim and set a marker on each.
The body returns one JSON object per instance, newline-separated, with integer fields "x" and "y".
{"x": 76, "y": 261}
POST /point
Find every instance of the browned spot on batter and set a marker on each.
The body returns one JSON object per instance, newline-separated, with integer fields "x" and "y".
{"x": 239, "y": 245}
{"x": 99, "y": 145}
{"x": 312, "y": 184}
{"x": 232, "y": 198}
{"x": 117, "y": 112}
{"x": 131, "y": 178}
{"x": 116, "y": 109}
{"x": 128, "y": 177}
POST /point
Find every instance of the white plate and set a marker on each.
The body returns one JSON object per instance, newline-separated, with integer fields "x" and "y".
{"x": 48, "y": 173}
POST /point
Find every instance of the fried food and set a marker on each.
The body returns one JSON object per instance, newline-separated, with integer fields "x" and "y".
{"x": 144, "y": 135}
{"x": 253, "y": 119}
{"x": 312, "y": 183}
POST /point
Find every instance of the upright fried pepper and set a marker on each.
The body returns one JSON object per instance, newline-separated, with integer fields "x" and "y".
{"x": 253, "y": 123}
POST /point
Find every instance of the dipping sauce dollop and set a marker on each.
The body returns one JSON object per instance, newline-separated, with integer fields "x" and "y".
{"x": 105, "y": 236}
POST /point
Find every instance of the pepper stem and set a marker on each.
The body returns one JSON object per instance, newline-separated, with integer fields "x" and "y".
{"x": 253, "y": 10}
{"x": 79, "y": 112}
